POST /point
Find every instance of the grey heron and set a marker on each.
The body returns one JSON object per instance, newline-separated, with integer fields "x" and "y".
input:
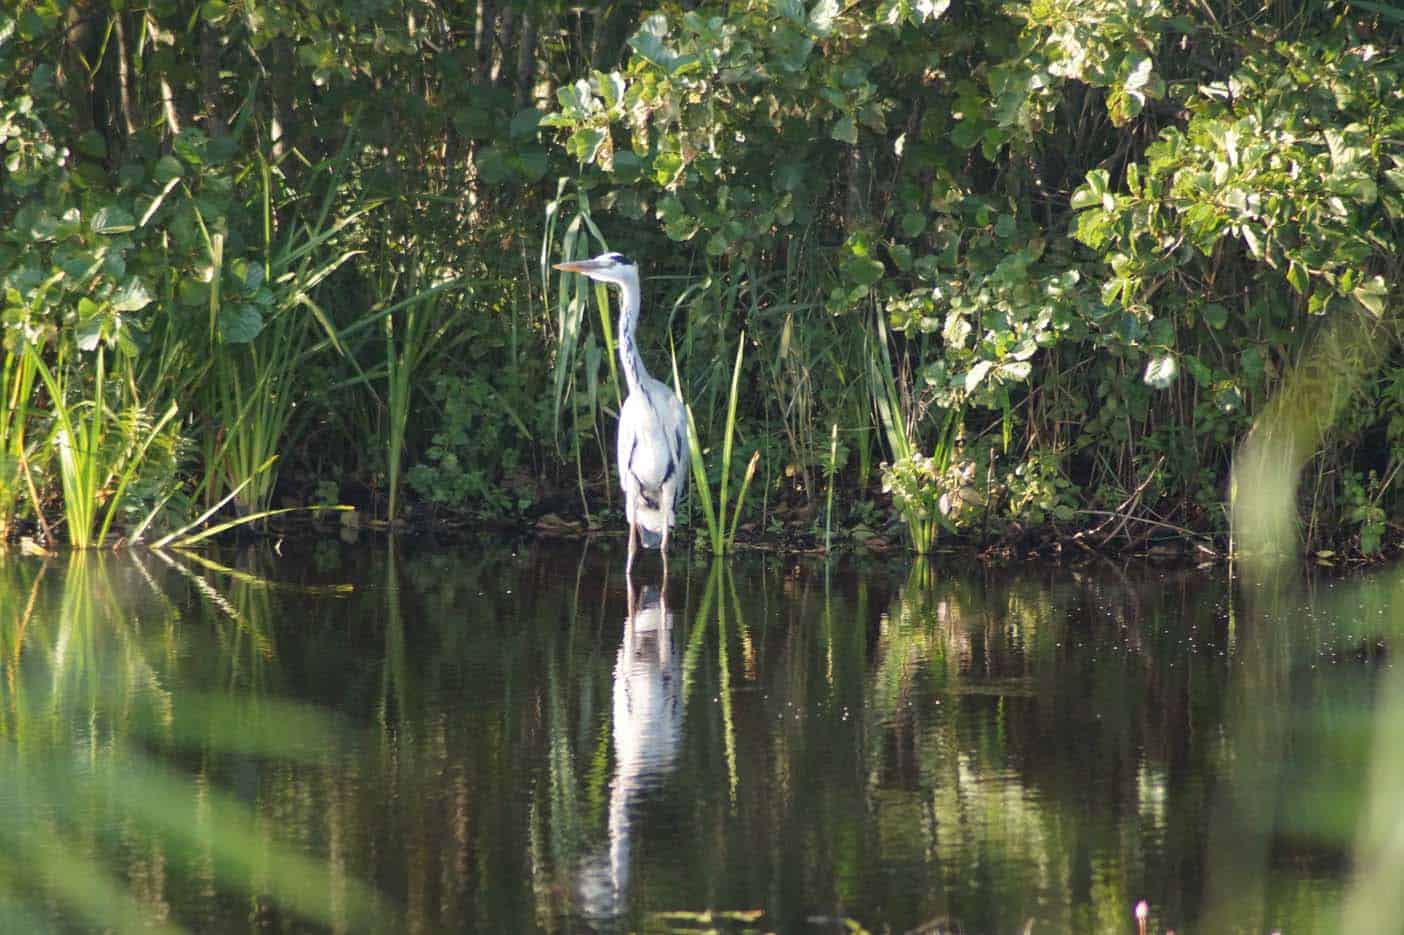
{"x": 652, "y": 443}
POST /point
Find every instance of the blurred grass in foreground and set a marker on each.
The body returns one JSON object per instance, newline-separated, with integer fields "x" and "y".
{"x": 112, "y": 811}
{"x": 1363, "y": 817}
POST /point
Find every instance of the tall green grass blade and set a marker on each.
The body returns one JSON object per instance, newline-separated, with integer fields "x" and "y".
{"x": 77, "y": 457}
{"x": 729, "y": 430}
{"x": 699, "y": 469}
{"x": 373, "y": 318}
{"x": 741, "y": 499}
{"x": 173, "y": 536}
{"x": 250, "y": 519}
{"x": 699, "y": 482}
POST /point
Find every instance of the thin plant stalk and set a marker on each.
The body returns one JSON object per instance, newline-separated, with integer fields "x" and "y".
{"x": 17, "y": 382}
{"x": 729, "y": 430}
{"x": 741, "y": 497}
{"x": 829, "y": 505}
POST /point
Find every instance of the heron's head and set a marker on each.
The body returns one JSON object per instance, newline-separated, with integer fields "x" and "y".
{"x": 607, "y": 267}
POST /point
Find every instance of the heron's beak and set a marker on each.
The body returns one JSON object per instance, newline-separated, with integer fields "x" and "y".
{"x": 579, "y": 266}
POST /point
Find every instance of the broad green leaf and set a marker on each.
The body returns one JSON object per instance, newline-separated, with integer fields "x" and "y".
{"x": 789, "y": 177}
{"x": 611, "y": 88}
{"x": 1296, "y": 275}
{"x": 1372, "y": 294}
{"x": 531, "y": 163}
{"x": 1092, "y": 192}
{"x": 845, "y": 131}
{"x": 666, "y": 168}
{"x": 1215, "y": 315}
{"x": 492, "y": 166}
{"x": 167, "y": 168}
{"x": 525, "y": 123}
{"x": 132, "y": 296}
{"x": 92, "y": 144}
{"x": 863, "y": 270}
{"x": 1198, "y": 371}
{"x": 977, "y": 374}
{"x": 649, "y": 42}
{"x": 790, "y": 9}
{"x": 88, "y": 333}
{"x": 966, "y": 133}
{"x": 585, "y": 144}
{"x": 957, "y": 330}
{"x": 1014, "y": 371}
{"x": 240, "y": 324}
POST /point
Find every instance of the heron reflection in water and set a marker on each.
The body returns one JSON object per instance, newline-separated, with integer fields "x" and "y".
{"x": 647, "y": 727}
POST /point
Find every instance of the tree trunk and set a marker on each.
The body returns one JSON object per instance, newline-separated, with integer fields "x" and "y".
{"x": 526, "y": 61}
{"x": 280, "y": 93}
{"x": 215, "y": 125}
{"x": 124, "y": 81}
{"x": 482, "y": 41}
{"x": 502, "y": 45}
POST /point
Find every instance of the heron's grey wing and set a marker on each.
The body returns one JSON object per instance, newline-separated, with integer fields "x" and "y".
{"x": 677, "y": 440}
{"x": 628, "y": 441}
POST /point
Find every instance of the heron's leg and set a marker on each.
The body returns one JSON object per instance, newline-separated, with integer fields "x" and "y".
{"x": 633, "y": 546}
{"x": 665, "y": 557}
{"x": 629, "y": 621}
{"x": 665, "y": 623}
{"x": 667, "y": 505}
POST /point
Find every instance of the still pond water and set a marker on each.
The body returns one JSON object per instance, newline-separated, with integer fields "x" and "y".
{"x": 497, "y": 739}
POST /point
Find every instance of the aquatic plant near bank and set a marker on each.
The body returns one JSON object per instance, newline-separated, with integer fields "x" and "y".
{"x": 721, "y": 538}
{"x": 98, "y": 452}
{"x": 262, "y": 323}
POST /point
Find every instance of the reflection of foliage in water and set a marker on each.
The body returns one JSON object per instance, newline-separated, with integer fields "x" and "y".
{"x": 983, "y": 746}
{"x": 121, "y": 812}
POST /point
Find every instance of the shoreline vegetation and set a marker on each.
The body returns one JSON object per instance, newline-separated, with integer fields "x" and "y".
{"x": 1003, "y": 276}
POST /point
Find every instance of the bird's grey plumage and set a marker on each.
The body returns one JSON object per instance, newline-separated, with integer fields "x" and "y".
{"x": 651, "y": 449}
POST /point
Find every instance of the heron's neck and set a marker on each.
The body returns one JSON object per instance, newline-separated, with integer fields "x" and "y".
{"x": 629, "y": 359}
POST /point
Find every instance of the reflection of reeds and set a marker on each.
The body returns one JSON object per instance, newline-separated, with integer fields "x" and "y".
{"x": 718, "y": 583}
{"x": 95, "y": 695}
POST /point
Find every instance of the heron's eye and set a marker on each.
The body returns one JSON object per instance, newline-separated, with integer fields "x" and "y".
{"x": 621, "y": 259}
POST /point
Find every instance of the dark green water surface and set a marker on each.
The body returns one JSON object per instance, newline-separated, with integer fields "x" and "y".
{"x": 484, "y": 739}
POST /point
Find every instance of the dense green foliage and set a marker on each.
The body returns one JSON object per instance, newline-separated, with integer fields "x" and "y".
{"x": 1039, "y": 262}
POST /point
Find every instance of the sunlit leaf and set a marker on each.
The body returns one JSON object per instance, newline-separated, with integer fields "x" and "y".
{"x": 1161, "y": 371}
{"x": 822, "y": 16}
{"x": 1372, "y": 294}
{"x": 977, "y": 374}
{"x": 844, "y": 130}
{"x": 132, "y": 296}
